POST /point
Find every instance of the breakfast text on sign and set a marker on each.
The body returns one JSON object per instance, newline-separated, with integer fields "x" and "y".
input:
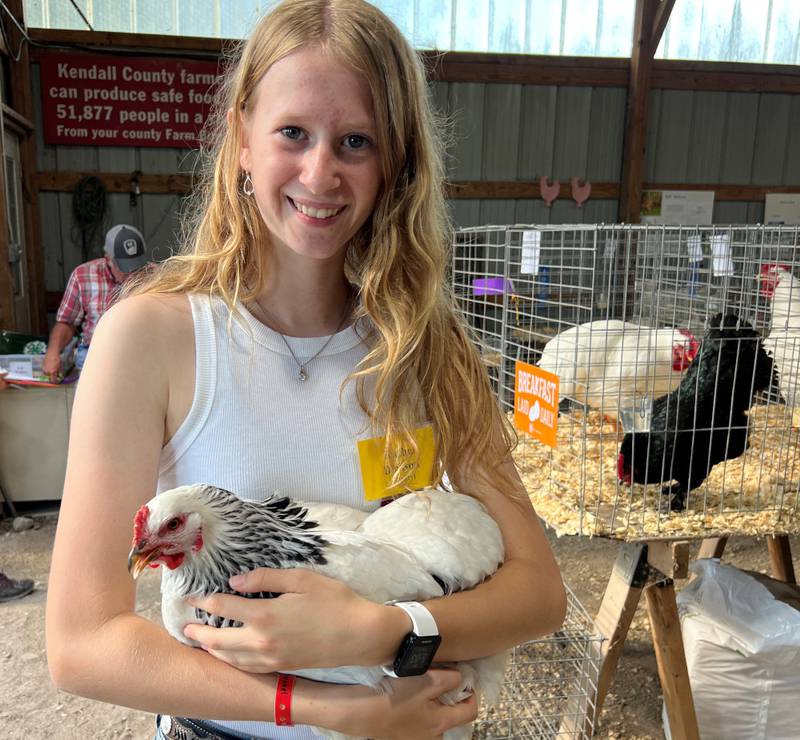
{"x": 102, "y": 100}
{"x": 537, "y": 386}
{"x": 536, "y": 402}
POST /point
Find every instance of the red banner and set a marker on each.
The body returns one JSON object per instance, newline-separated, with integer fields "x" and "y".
{"x": 104, "y": 100}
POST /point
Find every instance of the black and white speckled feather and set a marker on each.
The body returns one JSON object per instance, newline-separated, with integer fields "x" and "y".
{"x": 245, "y": 536}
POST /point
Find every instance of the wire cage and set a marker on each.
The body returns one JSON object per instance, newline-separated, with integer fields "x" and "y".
{"x": 677, "y": 351}
{"x": 550, "y": 685}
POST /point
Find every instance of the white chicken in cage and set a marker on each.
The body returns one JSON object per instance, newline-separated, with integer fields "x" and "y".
{"x": 782, "y": 289}
{"x": 612, "y": 365}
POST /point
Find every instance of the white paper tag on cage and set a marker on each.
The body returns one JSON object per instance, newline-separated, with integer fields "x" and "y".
{"x": 721, "y": 255}
{"x": 531, "y": 248}
{"x": 610, "y": 248}
{"x": 695, "y": 246}
{"x": 636, "y": 415}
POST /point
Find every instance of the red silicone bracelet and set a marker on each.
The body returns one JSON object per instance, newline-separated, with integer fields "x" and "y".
{"x": 283, "y": 700}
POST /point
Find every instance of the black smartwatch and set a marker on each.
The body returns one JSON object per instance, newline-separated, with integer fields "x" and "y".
{"x": 419, "y": 646}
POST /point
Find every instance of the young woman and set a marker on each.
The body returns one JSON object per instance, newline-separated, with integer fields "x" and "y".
{"x": 307, "y": 311}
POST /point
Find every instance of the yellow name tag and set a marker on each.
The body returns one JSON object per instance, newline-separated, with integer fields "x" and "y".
{"x": 376, "y": 474}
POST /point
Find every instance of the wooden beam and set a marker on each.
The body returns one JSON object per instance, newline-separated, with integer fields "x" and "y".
{"x": 616, "y": 613}
{"x": 671, "y": 76}
{"x": 780, "y": 556}
{"x": 494, "y": 190}
{"x": 456, "y": 66}
{"x": 660, "y": 23}
{"x": 670, "y": 558}
{"x": 671, "y": 659}
{"x": 119, "y": 182}
{"x": 712, "y": 547}
{"x": 534, "y": 70}
{"x": 636, "y": 112}
{"x": 7, "y": 320}
{"x": 114, "y": 182}
{"x": 106, "y": 40}
{"x": 22, "y": 102}
{"x": 513, "y": 189}
{"x": 17, "y": 122}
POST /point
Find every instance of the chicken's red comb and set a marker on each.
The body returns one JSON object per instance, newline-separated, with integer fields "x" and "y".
{"x": 140, "y": 523}
{"x": 768, "y": 267}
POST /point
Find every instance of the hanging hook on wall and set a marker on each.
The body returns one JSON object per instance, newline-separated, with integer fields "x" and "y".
{"x": 135, "y": 190}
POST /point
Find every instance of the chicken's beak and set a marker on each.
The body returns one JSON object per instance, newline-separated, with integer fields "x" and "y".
{"x": 139, "y": 558}
{"x": 691, "y": 352}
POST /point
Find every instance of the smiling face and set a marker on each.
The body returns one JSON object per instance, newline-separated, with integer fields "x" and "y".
{"x": 309, "y": 144}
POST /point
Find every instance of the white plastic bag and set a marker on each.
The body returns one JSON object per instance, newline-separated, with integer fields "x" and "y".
{"x": 742, "y": 650}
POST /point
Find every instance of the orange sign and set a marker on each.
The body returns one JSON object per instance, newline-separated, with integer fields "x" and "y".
{"x": 536, "y": 402}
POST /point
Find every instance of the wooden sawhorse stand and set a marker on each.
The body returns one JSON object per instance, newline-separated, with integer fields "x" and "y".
{"x": 651, "y": 567}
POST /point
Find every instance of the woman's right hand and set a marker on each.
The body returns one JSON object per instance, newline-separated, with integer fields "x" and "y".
{"x": 409, "y": 710}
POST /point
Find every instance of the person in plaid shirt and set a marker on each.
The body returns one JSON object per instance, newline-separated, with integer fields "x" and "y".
{"x": 91, "y": 289}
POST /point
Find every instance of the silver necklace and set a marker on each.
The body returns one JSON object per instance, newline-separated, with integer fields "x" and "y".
{"x": 302, "y": 367}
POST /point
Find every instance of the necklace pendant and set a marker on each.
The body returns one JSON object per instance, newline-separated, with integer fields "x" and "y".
{"x": 302, "y": 375}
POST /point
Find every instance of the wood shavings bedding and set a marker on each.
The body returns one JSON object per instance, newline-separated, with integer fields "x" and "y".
{"x": 574, "y": 486}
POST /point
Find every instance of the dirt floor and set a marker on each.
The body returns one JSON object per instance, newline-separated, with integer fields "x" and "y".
{"x": 32, "y": 709}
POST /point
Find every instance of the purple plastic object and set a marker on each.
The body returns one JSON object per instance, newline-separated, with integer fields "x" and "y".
{"x": 491, "y": 286}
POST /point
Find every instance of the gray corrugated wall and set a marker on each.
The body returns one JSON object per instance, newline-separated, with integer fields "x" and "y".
{"x": 693, "y": 137}
{"x": 505, "y": 132}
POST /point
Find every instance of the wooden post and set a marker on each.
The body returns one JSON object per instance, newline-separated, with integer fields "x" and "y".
{"x": 780, "y": 556}
{"x": 22, "y": 103}
{"x": 666, "y": 628}
{"x": 670, "y": 558}
{"x": 616, "y": 614}
{"x": 651, "y": 18}
{"x": 6, "y": 280}
{"x": 712, "y": 547}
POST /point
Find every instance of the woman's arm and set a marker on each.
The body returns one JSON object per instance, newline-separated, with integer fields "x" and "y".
{"x": 321, "y": 622}
{"x": 96, "y": 645}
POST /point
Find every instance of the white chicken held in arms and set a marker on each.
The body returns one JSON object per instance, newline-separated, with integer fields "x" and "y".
{"x": 613, "y": 364}
{"x": 782, "y": 289}
{"x": 420, "y": 546}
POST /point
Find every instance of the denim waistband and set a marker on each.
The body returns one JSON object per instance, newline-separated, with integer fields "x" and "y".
{"x": 186, "y": 728}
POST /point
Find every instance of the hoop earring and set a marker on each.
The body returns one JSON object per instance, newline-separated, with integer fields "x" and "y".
{"x": 247, "y": 185}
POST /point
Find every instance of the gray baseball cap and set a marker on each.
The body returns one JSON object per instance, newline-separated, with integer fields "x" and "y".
{"x": 125, "y": 244}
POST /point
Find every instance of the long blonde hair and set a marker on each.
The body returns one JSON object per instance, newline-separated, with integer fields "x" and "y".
{"x": 399, "y": 259}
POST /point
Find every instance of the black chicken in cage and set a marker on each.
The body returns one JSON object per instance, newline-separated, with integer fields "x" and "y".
{"x": 704, "y": 420}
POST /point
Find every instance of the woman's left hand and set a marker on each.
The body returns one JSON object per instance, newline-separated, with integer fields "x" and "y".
{"x": 316, "y": 622}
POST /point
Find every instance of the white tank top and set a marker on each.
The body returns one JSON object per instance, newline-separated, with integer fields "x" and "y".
{"x": 255, "y": 429}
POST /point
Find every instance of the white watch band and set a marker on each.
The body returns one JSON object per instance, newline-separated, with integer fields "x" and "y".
{"x": 422, "y": 621}
{"x": 422, "y": 624}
